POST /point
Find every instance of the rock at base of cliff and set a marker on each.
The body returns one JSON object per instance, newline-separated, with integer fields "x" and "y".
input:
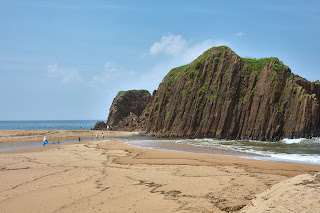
{"x": 100, "y": 125}
{"x": 126, "y": 107}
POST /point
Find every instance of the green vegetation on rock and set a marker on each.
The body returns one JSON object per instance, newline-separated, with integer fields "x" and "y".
{"x": 176, "y": 73}
{"x": 167, "y": 116}
{"x": 202, "y": 88}
{"x": 254, "y": 89}
{"x": 258, "y": 64}
{"x": 212, "y": 97}
{"x": 198, "y": 65}
{"x": 192, "y": 74}
{"x": 120, "y": 93}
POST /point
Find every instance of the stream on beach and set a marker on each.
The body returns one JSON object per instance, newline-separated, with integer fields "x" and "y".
{"x": 11, "y": 146}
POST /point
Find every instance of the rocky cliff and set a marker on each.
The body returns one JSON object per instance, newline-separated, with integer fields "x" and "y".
{"x": 221, "y": 95}
{"x": 100, "y": 125}
{"x": 126, "y": 107}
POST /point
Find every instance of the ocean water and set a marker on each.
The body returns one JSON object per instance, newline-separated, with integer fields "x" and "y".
{"x": 47, "y": 124}
{"x": 300, "y": 150}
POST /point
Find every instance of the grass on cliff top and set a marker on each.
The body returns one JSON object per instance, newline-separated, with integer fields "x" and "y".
{"x": 252, "y": 63}
{"x": 210, "y": 51}
{"x": 258, "y": 64}
{"x": 174, "y": 75}
{"x": 177, "y": 72}
{"x": 120, "y": 93}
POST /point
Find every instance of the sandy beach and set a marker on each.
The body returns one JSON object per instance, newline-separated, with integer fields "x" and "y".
{"x": 110, "y": 176}
{"x": 52, "y": 135}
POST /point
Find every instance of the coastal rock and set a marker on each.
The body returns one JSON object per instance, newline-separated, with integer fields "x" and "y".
{"x": 130, "y": 123}
{"x": 221, "y": 95}
{"x": 100, "y": 125}
{"x": 126, "y": 107}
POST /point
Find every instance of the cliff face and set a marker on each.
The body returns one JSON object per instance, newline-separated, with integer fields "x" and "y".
{"x": 220, "y": 95}
{"x": 126, "y": 107}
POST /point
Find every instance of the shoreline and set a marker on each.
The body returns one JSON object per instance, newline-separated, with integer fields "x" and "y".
{"x": 7, "y": 136}
{"x": 172, "y": 145}
{"x": 111, "y": 176}
{"x": 21, "y": 138}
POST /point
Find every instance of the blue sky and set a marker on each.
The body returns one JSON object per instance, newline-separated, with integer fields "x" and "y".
{"x": 68, "y": 59}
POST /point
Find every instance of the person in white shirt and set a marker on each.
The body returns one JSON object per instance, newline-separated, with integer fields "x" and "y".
{"x": 45, "y": 141}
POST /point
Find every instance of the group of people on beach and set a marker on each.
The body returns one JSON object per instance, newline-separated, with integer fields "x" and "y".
{"x": 109, "y": 128}
{"x": 45, "y": 140}
{"x": 97, "y": 136}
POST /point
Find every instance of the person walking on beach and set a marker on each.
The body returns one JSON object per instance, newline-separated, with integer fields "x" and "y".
{"x": 102, "y": 136}
{"x": 97, "y": 136}
{"x": 45, "y": 141}
{"x": 58, "y": 141}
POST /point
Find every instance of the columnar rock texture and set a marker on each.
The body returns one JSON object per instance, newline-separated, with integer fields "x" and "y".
{"x": 221, "y": 95}
{"x": 126, "y": 107}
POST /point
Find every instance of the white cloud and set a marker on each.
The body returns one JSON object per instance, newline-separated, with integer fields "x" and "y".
{"x": 171, "y": 45}
{"x": 192, "y": 52}
{"x": 239, "y": 34}
{"x": 110, "y": 74}
{"x": 110, "y": 67}
{"x": 180, "y": 50}
{"x": 66, "y": 75}
{"x": 169, "y": 52}
{"x": 104, "y": 76}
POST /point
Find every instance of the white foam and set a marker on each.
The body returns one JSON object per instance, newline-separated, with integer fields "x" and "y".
{"x": 292, "y": 141}
{"x": 314, "y": 159}
{"x": 260, "y": 152}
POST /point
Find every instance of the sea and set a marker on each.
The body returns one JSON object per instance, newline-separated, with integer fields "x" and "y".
{"x": 47, "y": 124}
{"x": 300, "y": 150}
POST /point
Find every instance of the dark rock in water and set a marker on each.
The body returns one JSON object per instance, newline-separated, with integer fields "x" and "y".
{"x": 126, "y": 107}
{"x": 221, "y": 95}
{"x": 100, "y": 125}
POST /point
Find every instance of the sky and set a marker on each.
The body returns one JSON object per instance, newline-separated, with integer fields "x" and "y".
{"x": 67, "y": 60}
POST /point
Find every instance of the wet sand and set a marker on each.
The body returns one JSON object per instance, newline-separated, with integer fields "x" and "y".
{"x": 110, "y": 176}
{"x": 52, "y": 135}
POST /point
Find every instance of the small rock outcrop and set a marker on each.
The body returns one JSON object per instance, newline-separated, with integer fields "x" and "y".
{"x": 100, "y": 125}
{"x": 126, "y": 108}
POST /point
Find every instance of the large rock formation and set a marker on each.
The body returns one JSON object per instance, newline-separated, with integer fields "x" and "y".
{"x": 126, "y": 107}
{"x": 220, "y": 95}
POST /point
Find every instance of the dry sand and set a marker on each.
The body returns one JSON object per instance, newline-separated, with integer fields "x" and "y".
{"x": 110, "y": 176}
